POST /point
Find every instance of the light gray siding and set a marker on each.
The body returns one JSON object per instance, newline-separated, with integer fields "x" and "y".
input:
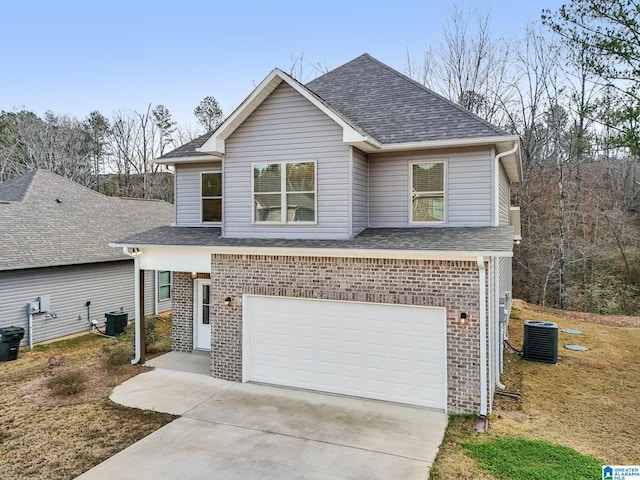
{"x": 504, "y": 275}
{"x": 150, "y": 287}
{"x": 468, "y": 188}
{"x": 287, "y": 127}
{"x": 504, "y": 197}
{"x": 360, "y": 198}
{"x": 108, "y": 286}
{"x": 187, "y": 192}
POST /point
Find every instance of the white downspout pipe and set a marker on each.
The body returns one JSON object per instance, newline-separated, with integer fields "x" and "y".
{"x": 483, "y": 336}
{"x": 508, "y": 152}
{"x": 138, "y": 349}
{"x": 136, "y": 308}
{"x": 30, "y": 328}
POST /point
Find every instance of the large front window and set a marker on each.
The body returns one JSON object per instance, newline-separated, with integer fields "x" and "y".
{"x": 427, "y": 192}
{"x": 288, "y": 187}
{"x": 211, "y": 192}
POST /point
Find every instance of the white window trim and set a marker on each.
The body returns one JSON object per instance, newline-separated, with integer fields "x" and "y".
{"x": 203, "y": 172}
{"x": 283, "y": 193}
{"x": 444, "y": 162}
{"x": 170, "y": 285}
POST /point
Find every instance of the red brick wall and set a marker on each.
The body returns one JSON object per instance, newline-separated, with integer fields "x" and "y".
{"x": 449, "y": 284}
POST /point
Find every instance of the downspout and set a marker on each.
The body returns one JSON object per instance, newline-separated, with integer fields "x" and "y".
{"x": 30, "y": 328}
{"x": 483, "y": 336}
{"x": 504, "y": 154}
{"x": 136, "y": 276}
{"x": 138, "y": 351}
{"x": 500, "y": 324}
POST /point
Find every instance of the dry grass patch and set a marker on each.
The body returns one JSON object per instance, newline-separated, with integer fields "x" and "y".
{"x": 49, "y": 435}
{"x": 589, "y": 401}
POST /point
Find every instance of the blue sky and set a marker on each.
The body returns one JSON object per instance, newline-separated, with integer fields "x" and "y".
{"x": 75, "y": 57}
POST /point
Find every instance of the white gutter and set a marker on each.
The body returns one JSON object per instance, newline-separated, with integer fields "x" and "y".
{"x": 468, "y": 256}
{"x": 483, "y": 336}
{"x": 462, "y": 142}
{"x": 508, "y": 152}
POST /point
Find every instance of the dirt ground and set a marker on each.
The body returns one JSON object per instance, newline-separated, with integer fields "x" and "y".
{"x": 44, "y": 436}
{"x": 589, "y": 401}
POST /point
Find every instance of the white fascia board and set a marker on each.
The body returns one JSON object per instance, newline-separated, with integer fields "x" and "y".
{"x": 216, "y": 142}
{"x": 192, "y": 159}
{"x": 172, "y": 253}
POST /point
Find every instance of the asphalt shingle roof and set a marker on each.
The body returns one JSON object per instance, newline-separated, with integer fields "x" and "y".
{"x": 392, "y": 108}
{"x": 451, "y": 239}
{"x": 189, "y": 148}
{"x": 386, "y": 105}
{"x": 47, "y": 220}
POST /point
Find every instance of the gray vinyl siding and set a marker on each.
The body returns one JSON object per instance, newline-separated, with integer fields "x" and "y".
{"x": 504, "y": 275}
{"x": 360, "y": 198}
{"x": 504, "y": 197}
{"x": 187, "y": 192}
{"x": 467, "y": 192}
{"x": 149, "y": 292}
{"x": 287, "y": 127}
{"x": 108, "y": 286}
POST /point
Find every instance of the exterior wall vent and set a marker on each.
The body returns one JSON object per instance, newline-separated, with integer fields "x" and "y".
{"x": 541, "y": 341}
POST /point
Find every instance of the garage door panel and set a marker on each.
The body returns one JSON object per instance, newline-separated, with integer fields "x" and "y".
{"x": 387, "y": 352}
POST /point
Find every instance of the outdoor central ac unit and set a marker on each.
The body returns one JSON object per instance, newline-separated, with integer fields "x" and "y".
{"x": 541, "y": 341}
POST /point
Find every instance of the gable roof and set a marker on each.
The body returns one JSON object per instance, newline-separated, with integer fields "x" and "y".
{"x": 378, "y": 108}
{"x": 47, "y": 220}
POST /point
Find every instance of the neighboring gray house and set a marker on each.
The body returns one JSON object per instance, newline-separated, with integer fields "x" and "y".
{"x": 54, "y": 237}
{"x": 352, "y": 235}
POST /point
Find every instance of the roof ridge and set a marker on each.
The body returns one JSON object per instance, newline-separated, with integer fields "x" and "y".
{"x": 7, "y": 184}
{"x": 434, "y": 93}
{"x": 43, "y": 171}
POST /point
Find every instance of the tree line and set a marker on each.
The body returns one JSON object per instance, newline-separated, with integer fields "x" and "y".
{"x": 111, "y": 155}
{"x": 568, "y": 85}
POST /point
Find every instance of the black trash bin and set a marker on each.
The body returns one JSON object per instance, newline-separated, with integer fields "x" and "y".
{"x": 10, "y": 343}
{"x": 116, "y": 323}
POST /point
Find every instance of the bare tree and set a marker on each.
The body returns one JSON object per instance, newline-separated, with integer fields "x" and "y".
{"x": 470, "y": 67}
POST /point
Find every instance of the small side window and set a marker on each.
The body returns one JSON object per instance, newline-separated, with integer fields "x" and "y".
{"x": 164, "y": 286}
{"x": 211, "y": 191}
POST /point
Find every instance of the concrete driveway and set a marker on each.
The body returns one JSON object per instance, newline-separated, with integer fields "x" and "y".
{"x": 245, "y": 431}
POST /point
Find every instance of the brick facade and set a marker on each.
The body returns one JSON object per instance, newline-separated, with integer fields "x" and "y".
{"x": 182, "y": 310}
{"x": 449, "y": 284}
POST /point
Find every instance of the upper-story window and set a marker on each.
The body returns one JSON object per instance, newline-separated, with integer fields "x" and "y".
{"x": 427, "y": 192}
{"x": 211, "y": 193}
{"x": 284, "y": 187}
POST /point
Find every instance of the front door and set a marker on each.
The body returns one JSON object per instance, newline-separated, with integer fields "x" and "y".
{"x": 202, "y": 320}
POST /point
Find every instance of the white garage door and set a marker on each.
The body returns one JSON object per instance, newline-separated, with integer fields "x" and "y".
{"x": 387, "y": 352}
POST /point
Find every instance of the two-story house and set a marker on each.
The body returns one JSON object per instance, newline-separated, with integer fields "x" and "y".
{"x": 351, "y": 235}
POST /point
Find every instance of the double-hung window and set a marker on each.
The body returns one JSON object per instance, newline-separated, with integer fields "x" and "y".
{"x": 427, "y": 192}
{"x": 284, "y": 192}
{"x": 211, "y": 196}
